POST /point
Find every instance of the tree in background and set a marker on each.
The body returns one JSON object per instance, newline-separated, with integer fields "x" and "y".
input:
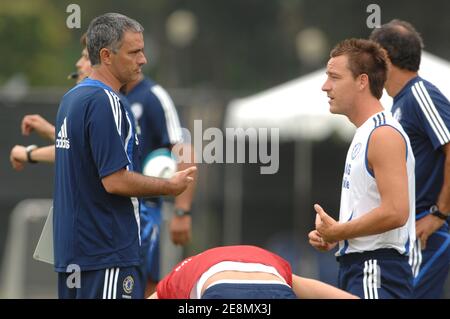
{"x": 34, "y": 42}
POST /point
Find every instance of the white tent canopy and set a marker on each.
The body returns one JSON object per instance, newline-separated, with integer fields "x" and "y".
{"x": 300, "y": 109}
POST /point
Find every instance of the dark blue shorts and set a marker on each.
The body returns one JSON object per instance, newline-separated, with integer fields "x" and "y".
{"x": 431, "y": 266}
{"x": 111, "y": 283}
{"x": 150, "y": 234}
{"x": 248, "y": 291}
{"x": 379, "y": 274}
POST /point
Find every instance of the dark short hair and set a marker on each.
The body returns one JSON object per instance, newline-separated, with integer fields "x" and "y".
{"x": 402, "y": 43}
{"x": 106, "y": 31}
{"x": 365, "y": 57}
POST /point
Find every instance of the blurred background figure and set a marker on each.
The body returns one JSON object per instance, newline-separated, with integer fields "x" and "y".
{"x": 424, "y": 113}
{"x": 21, "y": 154}
{"x": 159, "y": 127}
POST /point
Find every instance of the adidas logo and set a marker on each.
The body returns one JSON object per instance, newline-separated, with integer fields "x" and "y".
{"x": 63, "y": 141}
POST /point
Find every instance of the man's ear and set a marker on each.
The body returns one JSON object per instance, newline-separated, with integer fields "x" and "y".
{"x": 105, "y": 56}
{"x": 363, "y": 81}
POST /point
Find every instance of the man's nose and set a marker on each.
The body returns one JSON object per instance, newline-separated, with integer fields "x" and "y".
{"x": 142, "y": 59}
{"x": 325, "y": 87}
{"x": 78, "y": 64}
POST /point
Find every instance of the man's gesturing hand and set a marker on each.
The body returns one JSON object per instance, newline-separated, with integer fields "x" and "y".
{"x": 180, "y": 181}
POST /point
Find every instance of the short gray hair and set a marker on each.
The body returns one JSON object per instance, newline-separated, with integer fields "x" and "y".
{"x": 106, "y": 31}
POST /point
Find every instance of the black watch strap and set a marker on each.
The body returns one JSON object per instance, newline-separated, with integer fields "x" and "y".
{"x": 434, "y": 210}
{"x": 29, "y": 149}
{"x": 180, "y": 212}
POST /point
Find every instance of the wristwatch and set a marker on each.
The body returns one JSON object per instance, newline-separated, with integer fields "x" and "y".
{"x": 434, "y": 210}
{"x": 29, "y": 149}
{"x": 180, "y": 212}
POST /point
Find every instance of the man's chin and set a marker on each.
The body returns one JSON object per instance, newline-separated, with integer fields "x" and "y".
{"x": 136, "y": 76}
{"x": 130, "y": 79}
{"x": 334, "y": 110}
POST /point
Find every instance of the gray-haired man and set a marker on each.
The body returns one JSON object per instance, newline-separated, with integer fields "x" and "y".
{"x": 96, "y": 220}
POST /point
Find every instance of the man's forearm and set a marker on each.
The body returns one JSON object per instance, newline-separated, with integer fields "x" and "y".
{"x": 131, "y": 184}
{"x": 44, "y": 154}
{"x": 443, "y": 201}
{"x": 377, "y": 221}
{"x": 52, "y": 135}
{"x": 305, "y": 288}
